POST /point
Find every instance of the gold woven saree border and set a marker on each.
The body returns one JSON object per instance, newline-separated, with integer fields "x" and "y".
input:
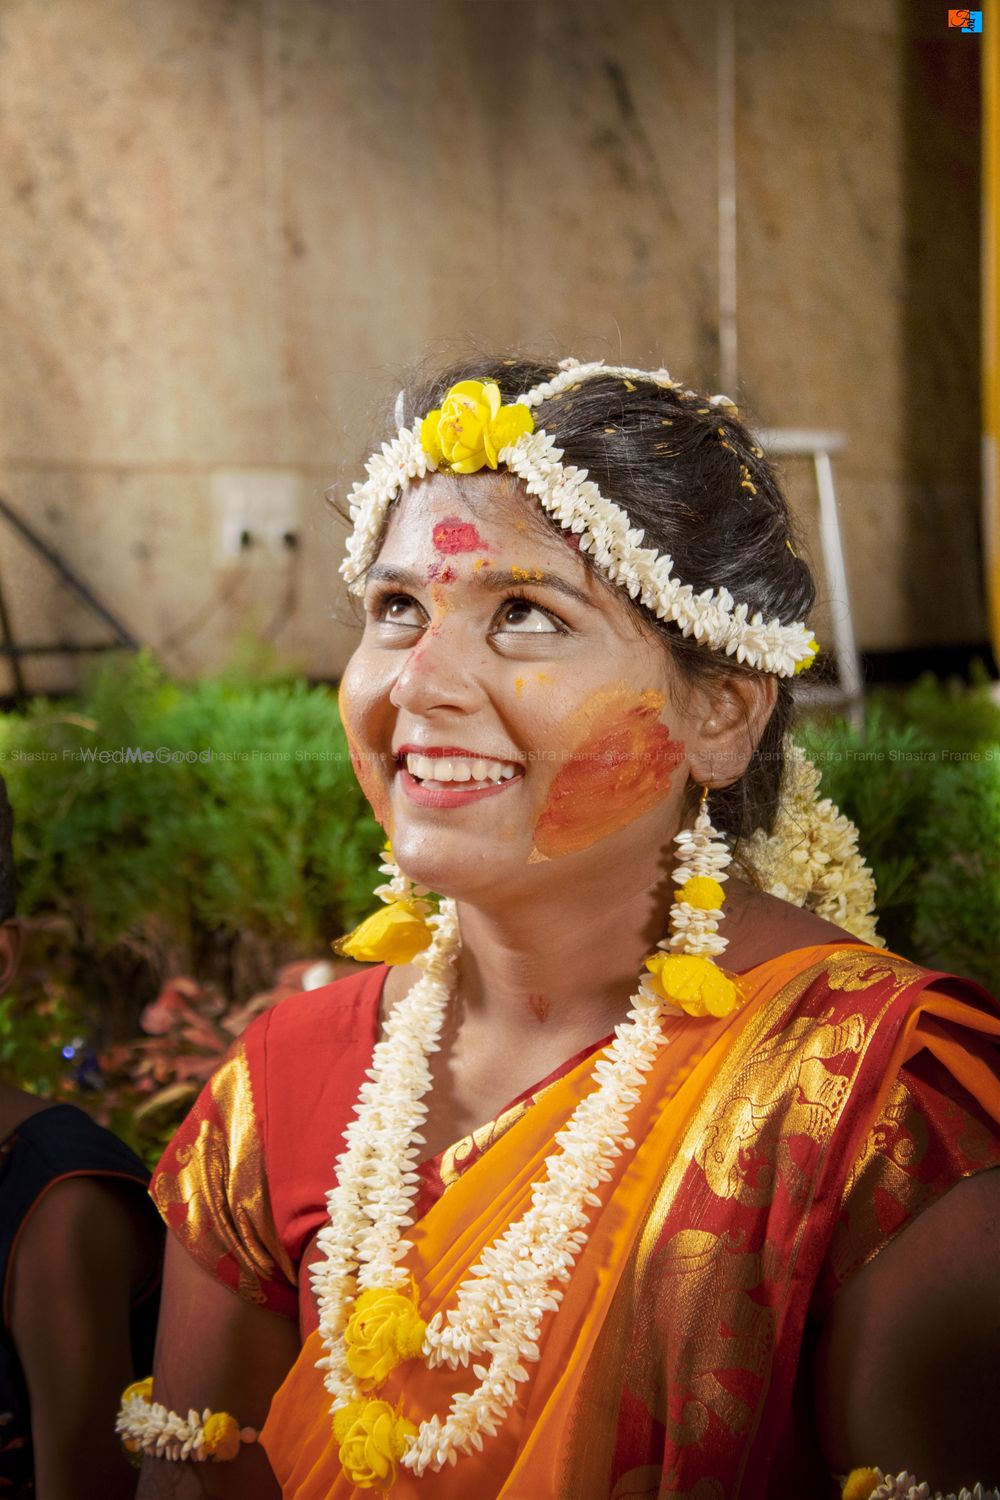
{"x": 594, "y": 1434}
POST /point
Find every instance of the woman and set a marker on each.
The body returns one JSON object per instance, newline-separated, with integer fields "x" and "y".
{"x": 674, "y": 1150}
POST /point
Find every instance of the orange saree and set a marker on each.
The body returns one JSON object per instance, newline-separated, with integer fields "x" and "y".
{"x": 761, "y": 1138}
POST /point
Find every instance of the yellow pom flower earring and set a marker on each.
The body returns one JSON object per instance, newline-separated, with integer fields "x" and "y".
{"x": 685, "y": 972}
{"x": 397, "y": 932}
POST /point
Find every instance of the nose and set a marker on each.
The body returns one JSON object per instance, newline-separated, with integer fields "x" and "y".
{"x": 439, "y": 674}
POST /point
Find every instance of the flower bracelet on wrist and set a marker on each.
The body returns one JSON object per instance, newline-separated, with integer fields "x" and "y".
{"x": 145, "y": 1426}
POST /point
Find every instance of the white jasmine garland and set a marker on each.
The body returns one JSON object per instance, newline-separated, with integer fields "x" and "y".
{"x": 499, "y": 1308}
{"x": 904, "y": 1486}
{"x": 565, "y": 492}
{"x": 162, "y": 1433}
{"x": 812, "y": 857}
{"x": 695, "y": 929}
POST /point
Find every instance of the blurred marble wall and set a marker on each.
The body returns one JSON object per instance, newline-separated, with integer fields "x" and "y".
{"x": 230, "y": 226}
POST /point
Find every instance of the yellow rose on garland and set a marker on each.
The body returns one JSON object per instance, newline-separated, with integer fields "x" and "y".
{"x": 384, "y": 1329}
{"x": 694, "y": 983}
{"x": 471, "y": 427}
{"x": 141, "y": 1388}
{"x": 393, "y": 935}
{"x": 372, "y": 1438}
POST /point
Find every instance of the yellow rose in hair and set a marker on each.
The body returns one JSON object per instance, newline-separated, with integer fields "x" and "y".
{"x": 393, "y": 935}
{"x": 384, "y": 1329}
{"x": 467, "y": 432}
{"x": 505, "y": 428}
{"x": 694, "y": 983}
{"x": 372, "y": 1438}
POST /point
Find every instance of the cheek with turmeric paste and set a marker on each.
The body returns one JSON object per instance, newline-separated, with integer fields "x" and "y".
{"x": 368, "y": 771}
{"x": 621, "y": 766}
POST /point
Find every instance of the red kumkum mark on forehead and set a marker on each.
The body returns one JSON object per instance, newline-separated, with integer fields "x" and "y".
{"x": 621, "y": 769}
{"x": 441, "y": 573}
{"x": 455, "y": 535}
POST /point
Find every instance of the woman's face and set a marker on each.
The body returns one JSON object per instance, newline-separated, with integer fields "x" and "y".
{"x": 506, "y": 718}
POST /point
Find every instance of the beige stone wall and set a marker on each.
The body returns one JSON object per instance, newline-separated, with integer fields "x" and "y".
{"x": 229, "y": 226}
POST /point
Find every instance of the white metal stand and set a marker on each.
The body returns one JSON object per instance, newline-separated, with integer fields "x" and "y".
{"x": 848, "y": 691}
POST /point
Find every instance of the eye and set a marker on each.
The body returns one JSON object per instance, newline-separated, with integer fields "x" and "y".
{"x": 397, "y": 609}
{"x": 521, "y": 617}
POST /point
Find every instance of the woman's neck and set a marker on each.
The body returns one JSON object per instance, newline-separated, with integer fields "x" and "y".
{"x": 568, "y": 967}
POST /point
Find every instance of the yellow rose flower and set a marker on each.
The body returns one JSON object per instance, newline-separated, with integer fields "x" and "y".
{"x": 702, "y": 891}
{"x": 384, "y": 1329}
{"x": 505, "y": 428}
{"x": 393, "y": 935}
{"x": 694, "y": 983}
{"x": 467, "y": 432}
{"x": 222, "y": 1437}
{"x": 372, "y": 1438}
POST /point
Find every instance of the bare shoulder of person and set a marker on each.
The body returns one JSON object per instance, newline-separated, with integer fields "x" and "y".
{"x": 906, "y": 1372}
{"x": 759, "y": 926}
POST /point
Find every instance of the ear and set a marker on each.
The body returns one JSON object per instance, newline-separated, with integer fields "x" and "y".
{"x": 729, "y": 719}
{"x": 11, "y": 943}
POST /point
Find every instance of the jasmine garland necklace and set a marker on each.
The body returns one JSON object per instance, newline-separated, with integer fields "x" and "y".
{"x": 499, "y": 1308}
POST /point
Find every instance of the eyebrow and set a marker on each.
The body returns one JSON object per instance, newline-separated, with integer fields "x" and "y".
{"x": 491, "y": 580}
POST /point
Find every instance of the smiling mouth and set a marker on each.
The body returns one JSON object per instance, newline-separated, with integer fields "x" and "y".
{"x": 473, "y": 773}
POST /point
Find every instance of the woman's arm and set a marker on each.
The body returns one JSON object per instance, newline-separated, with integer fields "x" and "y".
{"x": 82, "y": 1250}
{"x": 214, "y": 1349}
{"x": 907, "y": 1368}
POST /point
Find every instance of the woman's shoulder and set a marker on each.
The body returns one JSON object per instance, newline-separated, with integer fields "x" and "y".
{"x": 760, "y": 927}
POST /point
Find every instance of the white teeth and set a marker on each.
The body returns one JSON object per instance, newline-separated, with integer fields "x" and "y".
{"x": 458, "y": 768}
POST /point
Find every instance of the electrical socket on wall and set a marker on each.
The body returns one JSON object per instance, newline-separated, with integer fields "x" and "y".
{"x": 256, "y": 510}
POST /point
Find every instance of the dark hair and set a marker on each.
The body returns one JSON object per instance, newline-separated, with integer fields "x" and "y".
{"x": 692, "y": 477}
{"x": 8, "y": 879}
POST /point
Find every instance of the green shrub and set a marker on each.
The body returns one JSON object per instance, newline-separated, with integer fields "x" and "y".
{"x": 922, "y": 783}
{"x": 255, "y": 848}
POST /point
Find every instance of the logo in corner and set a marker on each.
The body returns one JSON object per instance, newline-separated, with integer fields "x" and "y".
{"x": 966, "y": 20}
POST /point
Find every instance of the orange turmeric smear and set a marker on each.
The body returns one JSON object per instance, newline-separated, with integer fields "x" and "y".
{"x": 443, "y": 601}
{"x": 527, "y": 575}
{"x": 621, "y": 768}
{"x": 367, "y": 771}
{"x": 480, "y": 562}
